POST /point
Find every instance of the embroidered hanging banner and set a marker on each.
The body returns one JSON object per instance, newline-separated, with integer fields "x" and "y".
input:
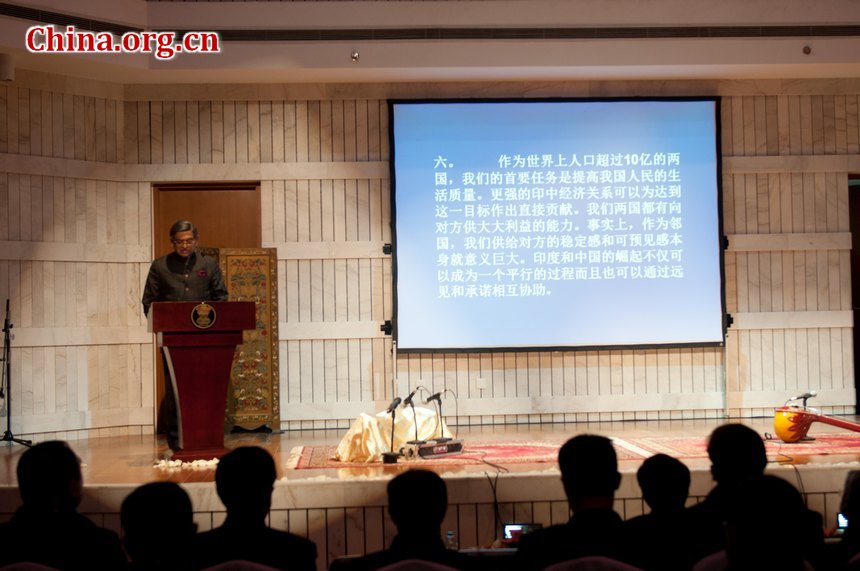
{"x": 253, "y": 398}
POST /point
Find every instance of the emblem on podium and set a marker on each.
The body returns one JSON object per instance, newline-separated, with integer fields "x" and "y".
{"x": 203, "y": 316}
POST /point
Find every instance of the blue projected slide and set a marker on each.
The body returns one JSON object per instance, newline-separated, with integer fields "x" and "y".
{"x": 533, "y": 224}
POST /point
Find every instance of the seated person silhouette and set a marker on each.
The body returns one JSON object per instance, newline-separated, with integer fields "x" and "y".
{"x": 758, "y": 513}
{"x": 840, "y": 555}
{"x": 589, "y": 473}
{"x": 47, "y": 528}
{"x": 245, "y": 478}
{"x": 737, "y": 456}
{"x": 417, "y": 502}
{"x": 158, "y": 527}
{"x": 661, "y": 538}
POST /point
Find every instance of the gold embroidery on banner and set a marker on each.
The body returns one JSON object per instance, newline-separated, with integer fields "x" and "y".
{"x": 253, "y": 397}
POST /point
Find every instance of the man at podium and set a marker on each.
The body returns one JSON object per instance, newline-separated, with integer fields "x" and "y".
{"x": 182, "y": 275}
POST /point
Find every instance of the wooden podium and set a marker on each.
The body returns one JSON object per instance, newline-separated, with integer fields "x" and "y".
{"x": 198, "y": 340}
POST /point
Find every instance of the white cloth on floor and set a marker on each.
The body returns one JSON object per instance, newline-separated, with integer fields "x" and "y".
{"x": 370, "y": 436}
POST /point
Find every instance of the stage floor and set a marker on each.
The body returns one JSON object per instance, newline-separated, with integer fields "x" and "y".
{"x": 130, "y": 460}
{"x": 342, "y": 509}
{"x": 134, "y": 459}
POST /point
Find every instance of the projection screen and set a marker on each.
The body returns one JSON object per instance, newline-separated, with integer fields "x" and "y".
{"x": 536, "y": 224}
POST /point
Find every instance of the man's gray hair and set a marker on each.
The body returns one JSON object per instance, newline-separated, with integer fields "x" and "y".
{"x": 183, "y": 226}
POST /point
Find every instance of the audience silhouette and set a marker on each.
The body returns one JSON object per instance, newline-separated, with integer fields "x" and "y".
{"x": 732, "y": 529}
{"x": 661, "y": 539}
{"x": 589, "y": 473}
{"x": 737, "y": 456}
{"x": 417, "y": 502}
{"x": 840, "y": 555}
{"x": 245, "y": 479}
{"x": 47, "y": 529}
{"x": 754, "y": 540}
{"x": 738, "y": 459}
{"x": 158, "y": 527}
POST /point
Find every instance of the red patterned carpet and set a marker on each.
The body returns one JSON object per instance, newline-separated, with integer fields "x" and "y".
{"x": 473, "y": 453}
{"x": 696, "y": 447}
{"x": 531, "y": 452}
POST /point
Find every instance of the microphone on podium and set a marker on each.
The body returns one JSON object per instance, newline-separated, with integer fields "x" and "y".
{"x": 433, "y": 397}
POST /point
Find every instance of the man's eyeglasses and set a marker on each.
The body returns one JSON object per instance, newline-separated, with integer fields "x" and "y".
{"x": 184, "y": 242}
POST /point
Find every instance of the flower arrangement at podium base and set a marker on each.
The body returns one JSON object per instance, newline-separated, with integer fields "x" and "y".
{"x": 370, "y": 435}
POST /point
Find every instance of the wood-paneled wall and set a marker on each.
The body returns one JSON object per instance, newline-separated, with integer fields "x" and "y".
{"x": 74, "y": 246}
{"x": 788, "y": 268}
{"x": 78, "y": 158}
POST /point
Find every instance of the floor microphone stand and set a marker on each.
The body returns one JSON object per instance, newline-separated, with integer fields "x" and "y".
{"x": 391, "y": 457}
{"x": 410, "y": 400}
{"x": 417, "y": 440}
{"x": 442, "y": 438}
{"x": 6, "y": 379}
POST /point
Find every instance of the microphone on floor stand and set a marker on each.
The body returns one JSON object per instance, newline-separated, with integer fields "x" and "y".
{"x": 438, "y": 398}
{"x": 804, "y": 397}
{"x": 394, "y": 404}
{"x": 409, "y": 402}
{"x": 443, "y": 445}
{"x": 6, "y": 380}
{"x": 390, "y": 457}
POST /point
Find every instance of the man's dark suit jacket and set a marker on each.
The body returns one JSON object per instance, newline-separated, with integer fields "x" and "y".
{"x": 401, "y": 549}
{"x": 64, "y": 540}
{"x": 261, "y": 544}
{"x": 590, "y": 532}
